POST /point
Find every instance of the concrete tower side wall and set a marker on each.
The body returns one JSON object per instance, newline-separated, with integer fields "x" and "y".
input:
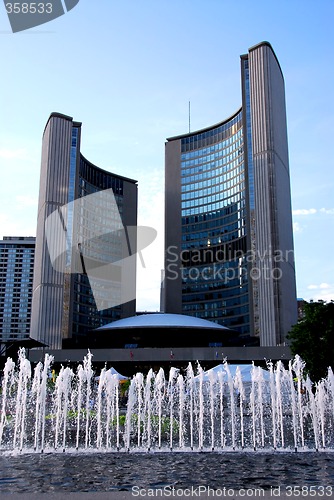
{"x": 276, "y": 284}
{"x": 287, "y": 309}
{"x": 173, "y": 220}
{"x": 130, "y": 193}
{"x": 47, "y": 302}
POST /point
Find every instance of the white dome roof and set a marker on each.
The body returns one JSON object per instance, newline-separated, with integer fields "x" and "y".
{"x": 162, "y": 320}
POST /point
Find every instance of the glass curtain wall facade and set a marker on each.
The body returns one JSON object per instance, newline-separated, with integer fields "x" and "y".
{"x": 17, "y": 254}
{"x": 228, "y": 213}
{"x": 85, "y": 316}
{"x": 213, "y": 210}
{"x": 64, "y": 309}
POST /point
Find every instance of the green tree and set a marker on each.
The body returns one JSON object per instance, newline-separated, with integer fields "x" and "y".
{"x": 313, "y": 338}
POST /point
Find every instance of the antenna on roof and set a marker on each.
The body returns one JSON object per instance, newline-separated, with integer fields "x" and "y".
{"x": 189, "y": 117}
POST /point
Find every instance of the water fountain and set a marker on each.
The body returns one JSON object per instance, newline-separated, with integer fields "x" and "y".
{"x": 277, "y": 409}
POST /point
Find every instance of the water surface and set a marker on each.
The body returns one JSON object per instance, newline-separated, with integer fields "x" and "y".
{"x": 101, "y": 472}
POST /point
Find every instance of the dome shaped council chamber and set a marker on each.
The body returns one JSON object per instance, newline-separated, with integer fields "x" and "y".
{"x": 163, "y": 330}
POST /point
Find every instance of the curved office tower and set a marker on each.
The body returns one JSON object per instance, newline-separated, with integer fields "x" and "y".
{"x": 75, "y": 214}
{"x": 229, "y": 243}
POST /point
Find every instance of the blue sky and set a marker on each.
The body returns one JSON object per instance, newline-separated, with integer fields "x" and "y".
{"x": 127, "y": 71}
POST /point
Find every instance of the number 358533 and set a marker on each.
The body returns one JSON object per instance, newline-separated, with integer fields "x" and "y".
{"x": 29, "y": 8}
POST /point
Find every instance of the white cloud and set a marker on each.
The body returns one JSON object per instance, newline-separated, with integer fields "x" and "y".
{"x": 325, "y": 296}
{"x": 324, "y": 286}
{"x": 297, "y": 227}
{"x": 304, "y": 211}
{"x": 328, "y": 211}
{"x": 323, "y": 291}
{"x": 312, "y": 211}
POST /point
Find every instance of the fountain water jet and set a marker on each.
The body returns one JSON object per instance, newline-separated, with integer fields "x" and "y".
{"x": 271, "y": 409}
{"x": 7, "y": 382}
